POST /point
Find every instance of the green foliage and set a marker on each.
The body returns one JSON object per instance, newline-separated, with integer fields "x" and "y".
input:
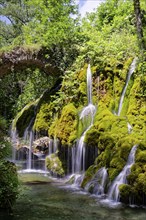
{"x": 4, "y": 144}
{"x": 109, "y": 32}
{"x": 20, "y": 88}
{"x": 53, "y": 22}
{"x": 8, "y": 184}
{"x": 8, "y": 173}
{"x": 108, "y": 38}
{"x": 18, "y": 14}
{"x": 33, "y": 86}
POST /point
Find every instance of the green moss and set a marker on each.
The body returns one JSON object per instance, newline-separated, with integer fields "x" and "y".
{"x": 117, "y": 163}
{"x": 113, "y": 173}
{"x": 124, "y": 151}
{"x": 141, "y": 156}
{"x": 54, "y": 164}
{"x": 125, "y": 193}
{"x": 92, "y": 137}
{"x": 136, "y": 169}
{"x": 106, "y": 141}
{"x": 43, "y": 118}
{"x": 53, "y": 128}
{"x": 134, "y": 103}
{"x": 89, "y": 174}
{"x": 141, "y": 183}
{"x": 65, "y": 128}
{"x": 118, "y": 86}
{"x": 24, "y": 117}
{"x": 103, "y": 118}
{"x": 126, "y": 98}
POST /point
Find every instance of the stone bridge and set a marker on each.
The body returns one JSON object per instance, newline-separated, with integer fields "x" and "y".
{"x": 21, "y": 58}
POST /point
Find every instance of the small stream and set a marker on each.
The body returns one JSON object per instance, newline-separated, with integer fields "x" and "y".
{"x": 46, "y": 198}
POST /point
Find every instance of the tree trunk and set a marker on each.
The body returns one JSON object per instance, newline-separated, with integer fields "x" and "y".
{"x": 138, "y": 23}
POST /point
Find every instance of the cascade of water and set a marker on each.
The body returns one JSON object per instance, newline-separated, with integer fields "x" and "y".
{"x": 28, "y": 130}
{"x": 55, "y": 146}
{"x": 98, "y": 182}
{"x": 129, "y": 128}
{"x": 15, "y": 143}
{"x": 73, "y": 153}
{"x": 113, "y": 193}
{"x": 50, "y": 148}
{"x": 89, "y": 84}
{"x": 29, "y": 162}
{"x": 87, "y": 113}
{"x": 131, "y": 70}
{"x": 78, "y": 179}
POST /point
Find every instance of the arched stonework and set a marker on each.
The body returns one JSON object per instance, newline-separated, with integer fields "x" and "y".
{"x": 21, "y": 58}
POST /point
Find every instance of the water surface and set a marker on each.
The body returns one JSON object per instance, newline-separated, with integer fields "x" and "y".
{"x": 44, "y": 198}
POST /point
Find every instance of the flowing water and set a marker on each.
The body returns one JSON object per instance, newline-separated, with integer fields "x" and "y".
{"x": 113, "y": 193}
{"x": 48, "y": 199}
{"x": 15, "y": 143}
{"x": 29, "y": 163}
{"x": 98, "y": 183}
{"x": 131, "y": 70}
{"x": 87, "y": 114}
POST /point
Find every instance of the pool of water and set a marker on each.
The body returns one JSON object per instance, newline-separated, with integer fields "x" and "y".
{"x": 45, "y": 198}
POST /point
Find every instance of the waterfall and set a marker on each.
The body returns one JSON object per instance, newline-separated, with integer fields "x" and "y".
{"x": 29, "y": 162}
{"x": 80, "y": 155}
{"x": 131, "y": 70}
{"x": 50, "y": 148}
{"x": 113, "y": 193}
{"x": 15, "y": 143}
{"x": 55, "y": 146}
{"x": 98, "y": 182}
{"x": 129, "y": 128}
{"x": 87, "y": 113}
{"x": 89, "y": 84}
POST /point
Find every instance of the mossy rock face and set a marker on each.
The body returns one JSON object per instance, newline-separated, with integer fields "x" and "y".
{"x": 43, "y": 118}
{"x": 113, "y": 173}
{"x": 124, "y": 151}
{"x": 89, "y": 174}
{"x": 92, "y": 137}
{"x": 141, "y": 156}
{"x": 117, "y": 163}
{"x": 125, "y": 193}
{"x": 138, "y": 186}
{"x": 24, "y": 118}
{"x": 65, "y": 128}
{"x": 54, "y": 164}
{"x": 106, "y": 141}
{"x": 136, "y": 169}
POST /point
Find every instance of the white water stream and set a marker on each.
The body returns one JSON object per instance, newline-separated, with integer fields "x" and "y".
{"x": 87, "y": 113}
{"x": 98, "y": 182}
{"x": 113, "y": 193}
{"x": 131, "y": 70}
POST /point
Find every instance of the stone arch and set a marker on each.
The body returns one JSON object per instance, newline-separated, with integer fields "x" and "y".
{"x": 21, "y": 58}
